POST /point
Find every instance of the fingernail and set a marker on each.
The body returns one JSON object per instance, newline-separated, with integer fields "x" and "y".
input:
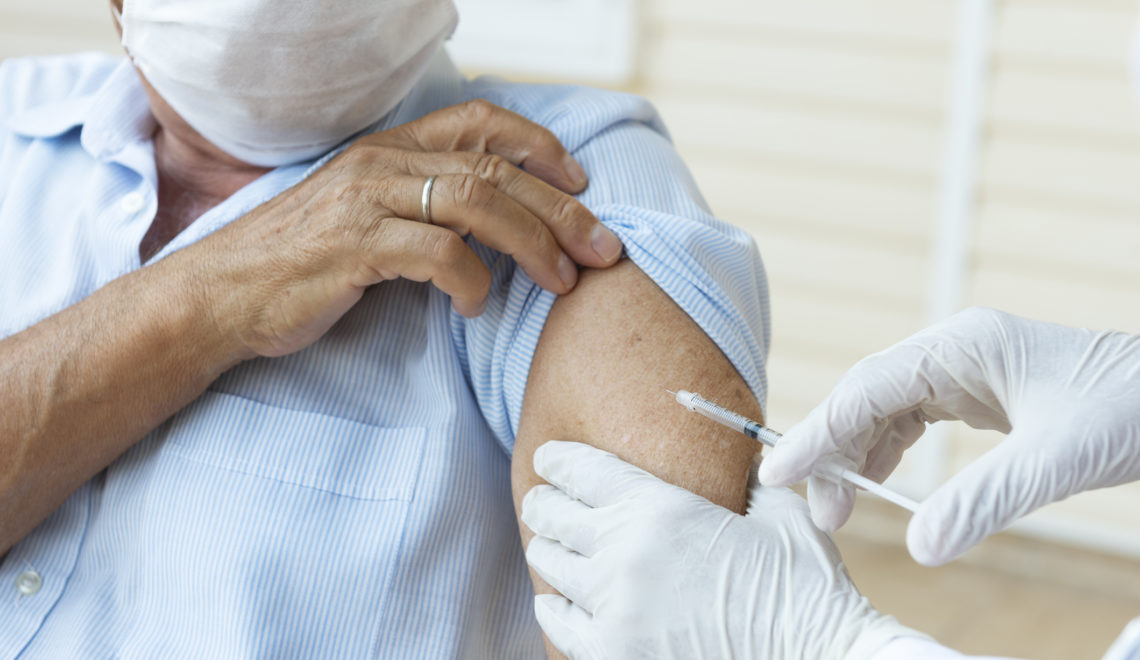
{"x": 605, "y": 243}
{"x": 574, "y": 171}
{"x": 567, "y": 272}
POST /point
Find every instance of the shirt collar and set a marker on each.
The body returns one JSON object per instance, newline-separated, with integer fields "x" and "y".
{"x": 113, "y": 116}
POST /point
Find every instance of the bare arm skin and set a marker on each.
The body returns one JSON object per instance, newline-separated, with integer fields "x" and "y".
{"x": 608, "y": 350}
{"x": 87, "y": 383}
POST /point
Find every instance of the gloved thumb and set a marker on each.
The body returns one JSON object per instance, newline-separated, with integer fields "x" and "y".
{"x": 1011, "y": 480}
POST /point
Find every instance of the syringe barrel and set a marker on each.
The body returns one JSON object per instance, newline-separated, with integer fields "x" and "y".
{"x": 696, "y": 403}
{"x": 722, "y": 415}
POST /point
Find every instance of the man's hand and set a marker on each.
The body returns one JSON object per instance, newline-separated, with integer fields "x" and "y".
{"x": 282, "y": 275}
{"x": 1069, "y": 399}
{"x": 650, "y": 570}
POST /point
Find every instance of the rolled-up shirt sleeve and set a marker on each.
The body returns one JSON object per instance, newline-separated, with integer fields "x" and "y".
{"x": 639, "y": 188}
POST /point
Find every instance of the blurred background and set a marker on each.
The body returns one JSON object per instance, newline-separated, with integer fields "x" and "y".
{"x": 896, "y": 160}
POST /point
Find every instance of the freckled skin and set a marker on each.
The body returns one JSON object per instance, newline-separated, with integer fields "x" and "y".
{"x": 608, "y": 351}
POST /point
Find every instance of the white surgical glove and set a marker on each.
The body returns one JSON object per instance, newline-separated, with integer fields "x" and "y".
{"x": 1068, "y": 398}
{"x": 650, "y": 570}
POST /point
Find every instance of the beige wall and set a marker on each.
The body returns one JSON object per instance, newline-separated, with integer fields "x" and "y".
{"x": 818, "y": 125}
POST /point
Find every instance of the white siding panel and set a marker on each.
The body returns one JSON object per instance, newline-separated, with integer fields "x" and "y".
{"x": 841, "y": 330}
{"x": 872, "y": 271}
{"x": 1099, "y": 249}
{"x": 768, "y": 129}
{"x": 765, "y": 195}
{"x": 1107, "y": 303}
{"x": 790, "y": 66}
{"x": 919, "y": 21}
{"x": 1101, "y": 106}
{"x": 1071, "y": 36}
{"x": 1063, "y": 169}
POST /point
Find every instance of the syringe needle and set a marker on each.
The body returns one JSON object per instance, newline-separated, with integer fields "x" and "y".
{"x": 753, "y": 429}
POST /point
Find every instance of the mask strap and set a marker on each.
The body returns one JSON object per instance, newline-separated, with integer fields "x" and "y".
{"x": 118, "y": 14}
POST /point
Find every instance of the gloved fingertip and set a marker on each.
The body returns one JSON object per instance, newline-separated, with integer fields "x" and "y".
{"x": 925, "y": 540}
{"x": 538, "y": 459}
{"x": 830, "y": 503}
{"x": 528, "y": 501}
{"x": 549, "y": 452}
{"x": 768, "y": 475}
{"x": 544, "y": 604}
{"x": 777, "y": 470}
{"x": 532, "y": 507}
{"x": 563, "y": 623}
{"x": 824, "y": 521}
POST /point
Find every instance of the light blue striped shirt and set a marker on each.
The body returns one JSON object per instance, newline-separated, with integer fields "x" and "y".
{"x": 352, "y": 499}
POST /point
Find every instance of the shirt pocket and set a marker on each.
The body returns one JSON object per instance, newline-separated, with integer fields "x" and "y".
{"x": 306, "y": 449}
{"x": 266, "y": 532}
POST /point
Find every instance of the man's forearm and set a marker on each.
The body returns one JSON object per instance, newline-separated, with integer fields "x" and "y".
{"x": 84, "y": 385}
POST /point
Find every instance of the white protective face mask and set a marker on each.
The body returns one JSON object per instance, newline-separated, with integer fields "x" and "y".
{"x": 274, "y": 82}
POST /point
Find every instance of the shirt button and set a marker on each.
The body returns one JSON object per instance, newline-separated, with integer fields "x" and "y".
{"x": 131, "y": 202}
{"x": 28, "y": 583}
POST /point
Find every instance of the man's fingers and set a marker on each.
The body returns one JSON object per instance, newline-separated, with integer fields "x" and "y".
{"x": 549, "y": 512}
{"x": 466, "y": 203}
{"x": 395, "y": 247}
{"x": 595, "y": 477}
{"x": 565, "y": 570}
{"x": 567, "y": 626}
{"x": 481, "y": 126}
{"x": 574, "y": 227}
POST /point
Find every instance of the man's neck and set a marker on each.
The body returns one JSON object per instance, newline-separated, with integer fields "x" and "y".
{"x": 191, "y": 181}
{"x": 197, "y": 171}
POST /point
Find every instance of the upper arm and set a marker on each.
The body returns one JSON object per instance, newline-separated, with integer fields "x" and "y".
{"x": 593, "y": 365}
{"x": 606, "y": 354}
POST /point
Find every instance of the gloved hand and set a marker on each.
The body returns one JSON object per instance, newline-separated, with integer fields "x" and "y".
{"x": 650, "y": 570}
{"x": 1068, "y": 398}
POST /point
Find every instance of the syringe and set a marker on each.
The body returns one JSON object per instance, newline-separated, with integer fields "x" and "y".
{"x": 753, "y": 429}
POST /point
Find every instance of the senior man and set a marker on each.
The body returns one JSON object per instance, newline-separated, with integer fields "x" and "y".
{"x": 273, "y": 291}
